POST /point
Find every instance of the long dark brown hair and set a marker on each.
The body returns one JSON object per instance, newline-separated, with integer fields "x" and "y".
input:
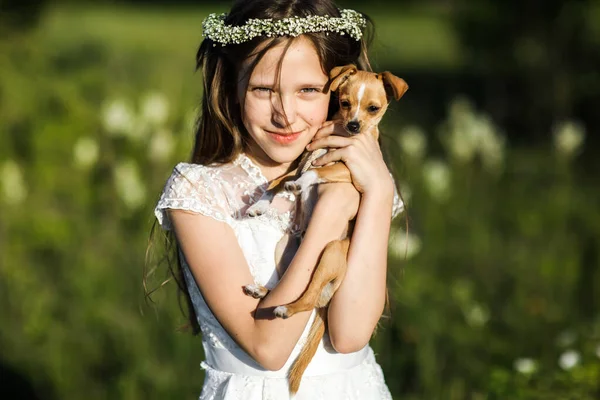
{"x": 220, "y": 134}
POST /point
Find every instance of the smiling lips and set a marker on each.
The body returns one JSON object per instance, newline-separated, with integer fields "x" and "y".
{"x": 284, "y": 138}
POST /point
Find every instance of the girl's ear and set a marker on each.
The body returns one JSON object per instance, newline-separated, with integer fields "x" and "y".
{"x": 394, "y": 86}
{"x": 338, "y": 75}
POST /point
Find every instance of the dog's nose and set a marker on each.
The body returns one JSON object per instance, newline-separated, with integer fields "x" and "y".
{"x": 353, "y": 126}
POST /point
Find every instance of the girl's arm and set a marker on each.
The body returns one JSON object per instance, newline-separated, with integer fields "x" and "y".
{"x": 220, "y": 270}
{"x": 359, "y": 302}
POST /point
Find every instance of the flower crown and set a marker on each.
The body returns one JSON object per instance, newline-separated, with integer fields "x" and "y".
{"x": 351, "y": 22}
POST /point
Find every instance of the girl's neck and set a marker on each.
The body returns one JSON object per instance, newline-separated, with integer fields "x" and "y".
{"x": 269, "y": 168}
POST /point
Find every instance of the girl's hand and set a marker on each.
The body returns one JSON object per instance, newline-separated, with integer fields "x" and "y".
{"x": 340, "y": 196}
{"x": 360, "y": 153}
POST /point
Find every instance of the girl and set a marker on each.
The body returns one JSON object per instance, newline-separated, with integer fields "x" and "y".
{"x": 265, "y": 67}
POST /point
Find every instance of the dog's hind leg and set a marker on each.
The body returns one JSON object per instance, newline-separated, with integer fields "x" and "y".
{"x": 255, "y": 290}
{"x": 326, "y": 279}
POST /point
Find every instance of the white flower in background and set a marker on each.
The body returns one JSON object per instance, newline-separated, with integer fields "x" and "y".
{"x": 566, "y": 339}
{"x": 477, "y": 315}
{"x": 402, "y": 244}
{"x": 413, "y": 142}
{"x": 13, "y": 185}
{"x": 161, "y": 145}
{"x": 568, "y": 138}
{"x": 155, "y": 108}
{"x": 129, "y": 185}
{"x": 118, "y": 118}
{"x": 460, "y": 136}
{"x": 436, "y": 175}
{"x": 491, "y": 144}
{"x": 569, "y": 359}
{"x": 85, "y": 152}
{"x": 525, "y": 366}
{"x": 469, "y": 134}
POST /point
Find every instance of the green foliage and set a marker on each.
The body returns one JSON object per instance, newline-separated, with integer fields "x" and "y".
{"x": 492, "y": 288}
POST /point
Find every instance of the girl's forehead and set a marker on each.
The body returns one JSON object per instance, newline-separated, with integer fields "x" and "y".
{"x": 300, "y": 61}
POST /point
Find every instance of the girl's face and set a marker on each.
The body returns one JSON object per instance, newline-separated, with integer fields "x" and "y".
{"x": 282, "y": 115}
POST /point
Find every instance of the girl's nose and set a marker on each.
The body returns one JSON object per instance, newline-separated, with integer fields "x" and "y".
{"x": 284, "y": 109}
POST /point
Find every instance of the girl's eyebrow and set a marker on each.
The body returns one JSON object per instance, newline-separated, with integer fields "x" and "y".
{"x": 265, "y": 84}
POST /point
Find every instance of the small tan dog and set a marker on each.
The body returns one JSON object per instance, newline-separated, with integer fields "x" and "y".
{"x": 363, "y": 97}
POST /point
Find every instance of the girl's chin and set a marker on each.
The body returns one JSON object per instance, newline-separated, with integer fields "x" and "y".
{"x": 285, "y": 154}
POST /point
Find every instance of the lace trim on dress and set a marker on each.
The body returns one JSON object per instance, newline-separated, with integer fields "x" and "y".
{"x": 251, "y": 169}
{"x": 397, "y": 205}
{"x": 188, "y": 189}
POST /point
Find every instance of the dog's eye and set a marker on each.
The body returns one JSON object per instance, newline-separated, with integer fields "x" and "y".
{"x": 345, "y": 104}
{"x": 373, "y": 109}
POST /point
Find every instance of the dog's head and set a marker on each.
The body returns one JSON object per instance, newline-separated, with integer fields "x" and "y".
{"x": 364, "y": 96}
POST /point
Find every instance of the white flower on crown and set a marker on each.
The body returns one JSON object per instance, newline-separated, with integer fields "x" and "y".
{"x": 351, "y": 22}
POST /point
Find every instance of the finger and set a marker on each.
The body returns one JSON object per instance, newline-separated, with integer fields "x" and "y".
{"x": 348, "y": 154}
{"x": 329, "y": 141}
{"x": 330, "y": 156}
{"x": 330, "y": 129}
{"x": 325, "y": 129}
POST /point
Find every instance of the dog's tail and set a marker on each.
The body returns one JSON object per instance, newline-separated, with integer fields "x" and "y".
{"x": 317, "y": 330}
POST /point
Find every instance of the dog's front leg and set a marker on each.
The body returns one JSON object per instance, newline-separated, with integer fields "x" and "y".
{"x": 262, "y": 205}
{"x": 337, "y": 172}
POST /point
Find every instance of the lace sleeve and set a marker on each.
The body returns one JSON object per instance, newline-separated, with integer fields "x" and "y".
{"x": 191, "y": 188}
{"x": 398, "y": 204}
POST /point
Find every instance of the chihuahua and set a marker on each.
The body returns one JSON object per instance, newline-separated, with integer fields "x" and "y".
{"x": 363, "y": 99}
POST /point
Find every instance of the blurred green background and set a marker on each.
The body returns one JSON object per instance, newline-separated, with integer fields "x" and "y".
{"x": 495, "y": 287}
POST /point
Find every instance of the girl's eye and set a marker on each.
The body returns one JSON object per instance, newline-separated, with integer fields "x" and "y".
{"x": 373, "y": 109}
{"x": 345, "y": 104}
{"x": 310, "y": 90}
{"x": 262, "y": 89}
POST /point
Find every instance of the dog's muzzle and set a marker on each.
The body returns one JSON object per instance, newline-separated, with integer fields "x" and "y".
{"x": 353, "y": 127}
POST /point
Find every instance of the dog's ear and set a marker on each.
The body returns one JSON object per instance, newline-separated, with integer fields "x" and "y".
{"x": 395, "y": 87}
{"x": 339, "y": 74}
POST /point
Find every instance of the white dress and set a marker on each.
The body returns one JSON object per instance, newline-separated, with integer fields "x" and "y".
{"x": 224, "y": 192}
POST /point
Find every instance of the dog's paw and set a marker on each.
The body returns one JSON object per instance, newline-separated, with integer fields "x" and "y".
{"x": 281, "y": 312}
{"x": 256, "y": 291}
{"x": 258, "y": 208}
{"x": 292, "y": 186}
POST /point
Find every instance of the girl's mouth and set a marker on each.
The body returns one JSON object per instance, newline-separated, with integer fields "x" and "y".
{"x": 284, "y": 138}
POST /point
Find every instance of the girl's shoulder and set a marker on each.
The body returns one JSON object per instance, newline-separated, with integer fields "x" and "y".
{"x": 195, "y": 188}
